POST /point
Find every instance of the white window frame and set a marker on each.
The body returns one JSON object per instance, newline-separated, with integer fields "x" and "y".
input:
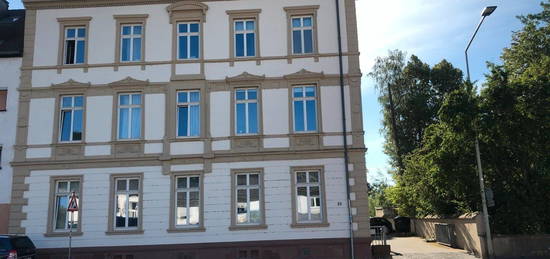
{"x": 247, "y": 101}
{"x": 131, "y": 108}
{"x": 302, "y": 29}
{"x": 308, "y": 186}
{"x": 244, "y": 32}
{"x": 72, "y": 109}
{"x": 131, "y": 36}
{"x": 187, "y": 190}
{"x": 67, "y": 194}
{"x": 127, "y": 192}
{"x": 76, "y": 39}
{"x": 188, "y": 104}
{"x": 248, "y": 187}
{"x": 188, "y": 34}
{"x": 304, "y": 100}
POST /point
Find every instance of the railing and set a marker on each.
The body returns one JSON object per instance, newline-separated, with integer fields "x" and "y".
{"x": 378, "y": 234}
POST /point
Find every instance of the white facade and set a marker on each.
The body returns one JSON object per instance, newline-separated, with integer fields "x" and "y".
{"x": 277, "y": 150}
{"x": 9, "y": 80}
{"x": 216, "y": 206}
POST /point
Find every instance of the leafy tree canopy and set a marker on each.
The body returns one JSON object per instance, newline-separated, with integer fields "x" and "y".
{"x": 439, "y": 117}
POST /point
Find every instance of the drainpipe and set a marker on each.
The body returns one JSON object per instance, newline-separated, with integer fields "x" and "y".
{"x": 344, "y": 130}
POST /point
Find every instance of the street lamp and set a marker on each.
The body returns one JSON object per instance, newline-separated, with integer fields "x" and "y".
{"x": 489, "y": 241}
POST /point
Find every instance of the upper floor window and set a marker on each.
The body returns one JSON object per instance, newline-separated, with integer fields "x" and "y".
{"x": 129, "y": 116}
{"x": 246, "y": 107}
{"x": 187, "y": 200}
{"x": 75, "y": 45}
{"x": 245, "y": 38}
{"x": 62, "y": 196}
{"x": 188, "y": 40}
{"x": 3, "y": 99}
{"x": 302, "y": 35}
{"x": 188, "y": 113}
{"x": 71, "y": 118}
{"x": 131, "y": 42}
{"x": 127, "y": 202}
{"x": 305, "y": 108}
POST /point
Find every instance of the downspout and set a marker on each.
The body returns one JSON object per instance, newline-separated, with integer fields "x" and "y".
{"x": 344, "y": 130}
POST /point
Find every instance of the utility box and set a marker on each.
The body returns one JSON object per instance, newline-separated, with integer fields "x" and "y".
{"x": 445, "y": 234}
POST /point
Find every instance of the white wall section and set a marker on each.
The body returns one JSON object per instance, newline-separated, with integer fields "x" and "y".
{"x": 187, "y": 148}
{"x": 331, "y": 108}
{"x": 154, "y": 116}
{"x": 9, "y": 80}
{"x": 41, "y": 123}
{"x": 275, "y": 111}
{"x": 99, "y": 117}
{"x": 97, "y": 150}
{"x": 219, "y": 114}
{"x": 276, "y": 142}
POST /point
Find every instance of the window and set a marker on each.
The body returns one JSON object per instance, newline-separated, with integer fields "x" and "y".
{"x": 71, "y": 118}
{"x": 188, "y": 114}
{"x": 188, "y": 40}
{"x": 127, "y": 202}
{"x": 305, "y": 108}
{"x": 245, "y": 38}
{"x": 302, "y": 35}
{"x": 308, "y": 196}
{"x": 75, "y": 45}
{"x": 248, "y": 192}
{"x": 3, "y": 99}
{"x": 131, "y": 39}
{"x": 129, "y": 116}
{"x": 187, "y": 201}
{"x": 63, "y": 192}
{"x": 246, "y": 110}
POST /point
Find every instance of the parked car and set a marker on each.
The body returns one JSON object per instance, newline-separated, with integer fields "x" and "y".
{"x": 382, "y": 222}
{"x": 16, "y": 247}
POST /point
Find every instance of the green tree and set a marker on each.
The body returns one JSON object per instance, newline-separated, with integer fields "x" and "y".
{"x": 417, "y": 93}
{"x": 378, "y": 194}
{"x": 515, "y": 129}
{"x": 512, "y": 119}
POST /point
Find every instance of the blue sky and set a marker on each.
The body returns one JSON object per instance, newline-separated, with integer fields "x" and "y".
{"x": 431, "y": 29}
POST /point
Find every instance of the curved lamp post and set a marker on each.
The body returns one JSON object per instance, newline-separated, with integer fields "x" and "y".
{"x": 488, "y": 239}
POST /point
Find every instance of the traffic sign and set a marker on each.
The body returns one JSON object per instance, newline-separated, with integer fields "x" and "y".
{"x": 73, "y": 203}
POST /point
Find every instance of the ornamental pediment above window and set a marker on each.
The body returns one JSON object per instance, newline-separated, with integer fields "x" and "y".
{"x": 187, "y": 10}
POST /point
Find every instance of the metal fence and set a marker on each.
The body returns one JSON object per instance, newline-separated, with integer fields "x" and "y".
{"x": 378, "y": 234}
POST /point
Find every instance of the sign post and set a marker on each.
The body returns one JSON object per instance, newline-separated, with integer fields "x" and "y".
{"x": 73, "y": 206}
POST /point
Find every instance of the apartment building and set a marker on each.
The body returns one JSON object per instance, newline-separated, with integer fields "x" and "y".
{"x": 191, "y": 129}
{"x": 11, "y": 53}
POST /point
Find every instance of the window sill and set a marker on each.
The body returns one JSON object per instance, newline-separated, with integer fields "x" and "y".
{"x": 69, "y": 143}
{"x": 62, "y": 234}
{"x": 124, "y": 232}
{"x": 188, "y": 138}
{"x": 128, "y": 141}
{"x": 247, "y": 227}
{"x": 183, "y": 230}
{"x": 302, "y": 133}
{"x": 310, "y": 225}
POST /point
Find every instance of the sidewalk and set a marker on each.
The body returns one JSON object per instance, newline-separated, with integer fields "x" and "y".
{"x": 417, "y": 248}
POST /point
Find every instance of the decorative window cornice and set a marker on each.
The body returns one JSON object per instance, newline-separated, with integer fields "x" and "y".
{"x": 187, "y": 10}
{"x": 244, "y": 77}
